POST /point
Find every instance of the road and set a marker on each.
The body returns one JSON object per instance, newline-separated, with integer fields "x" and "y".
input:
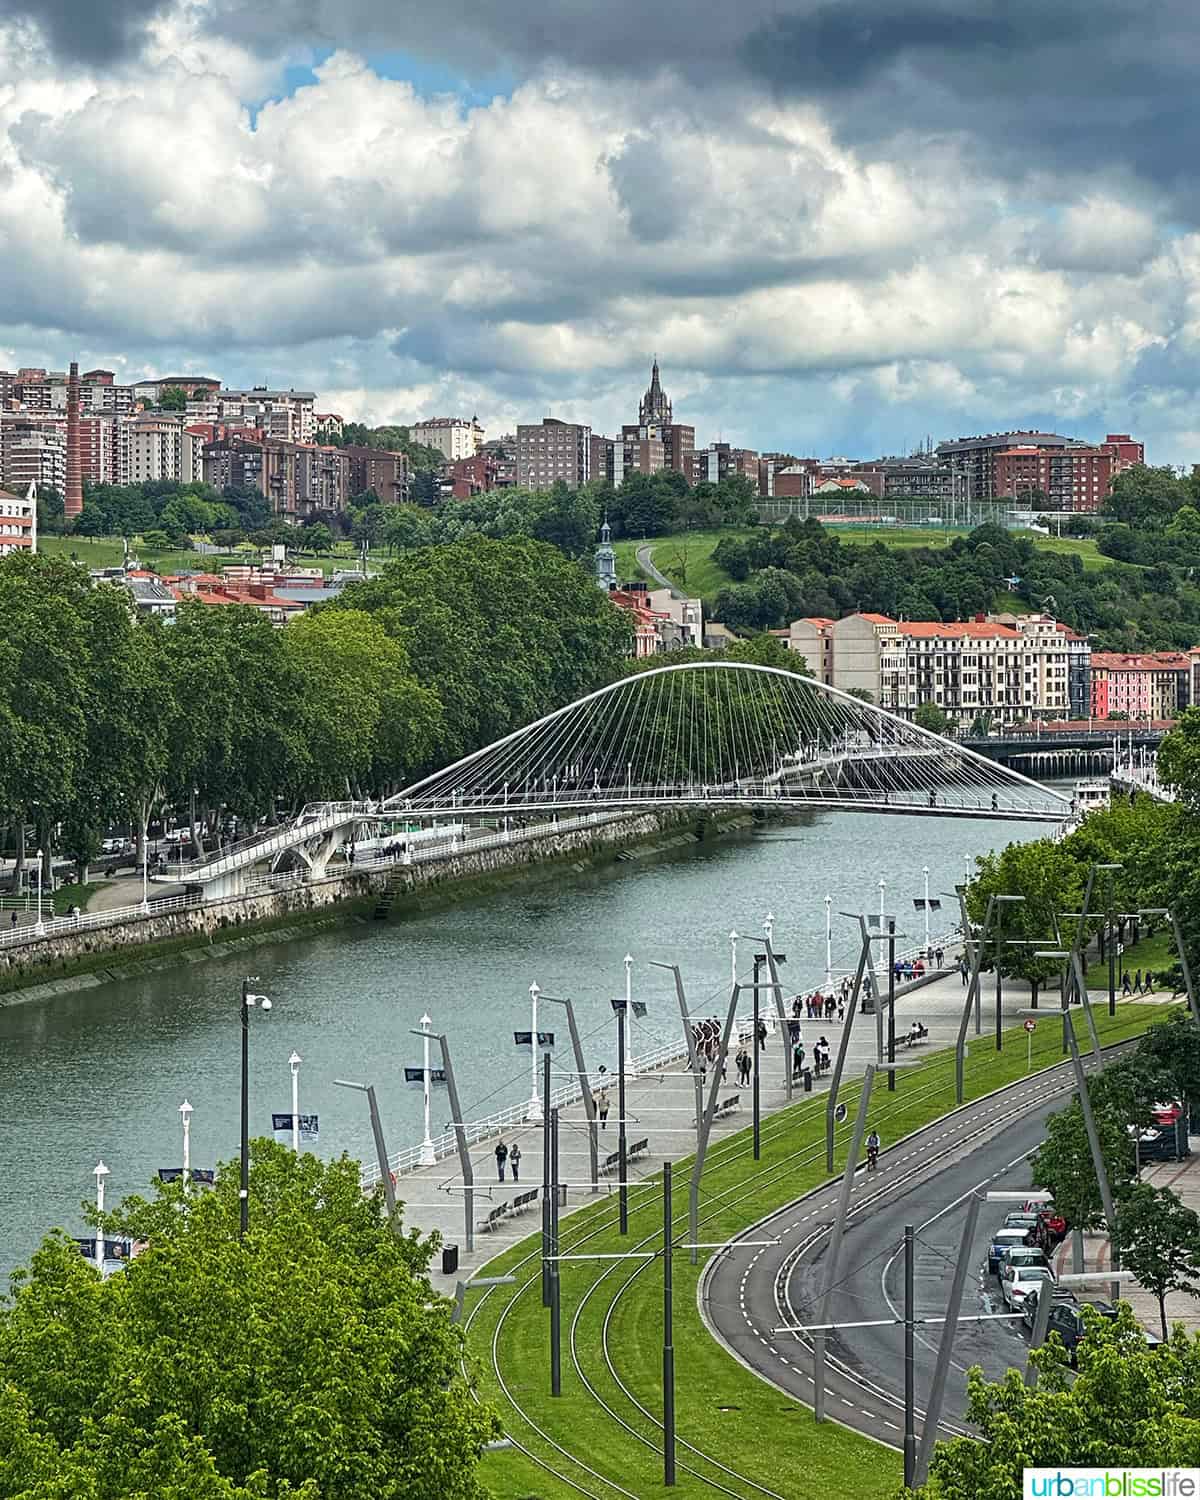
{"x": 645, "y": 557}
{"x": 925, "y": 1182}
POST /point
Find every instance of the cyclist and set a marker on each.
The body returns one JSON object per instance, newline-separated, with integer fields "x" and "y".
{"x": 872, "y": 1150}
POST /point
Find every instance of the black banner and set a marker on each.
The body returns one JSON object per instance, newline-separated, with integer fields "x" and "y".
{"x": 524, "y": 1038}
{"x": 416, "y": 1076}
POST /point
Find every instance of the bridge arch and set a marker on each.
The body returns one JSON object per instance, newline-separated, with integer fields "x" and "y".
{"x": 718, "y": 733}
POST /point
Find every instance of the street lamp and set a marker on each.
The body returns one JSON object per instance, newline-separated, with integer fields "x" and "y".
{"x": 40, "y": 928}
{"x": 828, "y": 944}
{"x": 294, "y": 1063}
{"x": 925, "y": 873}
{"x": 249, "y": 1001}
{"x": 533, "y": 1110}
{"x": 428, "y": 1156}
{"x": 733, "y": 942}
{"x": 100, "y": 1172}
{"x": 185, "y": 1115}
{"x": 146, "y": 860}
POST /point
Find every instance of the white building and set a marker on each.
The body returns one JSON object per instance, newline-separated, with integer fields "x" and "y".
{"x": 453, "y": 437}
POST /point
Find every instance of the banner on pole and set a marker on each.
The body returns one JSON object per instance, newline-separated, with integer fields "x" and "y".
{"x": 415, "y": 1077}
{"x": 282, "y": 1126}
{"x": 525, "y": 1038}
{"x": 933, "y": 904}
{"x": 203, "y": 1175}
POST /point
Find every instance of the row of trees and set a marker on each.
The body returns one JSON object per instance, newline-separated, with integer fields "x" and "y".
{"x": 104, "y": 716}
{"x": 802, "y": 568}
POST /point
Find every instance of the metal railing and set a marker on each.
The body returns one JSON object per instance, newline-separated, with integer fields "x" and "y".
{"x": 661, "y": 1056}
{"x": 51, "y": 926}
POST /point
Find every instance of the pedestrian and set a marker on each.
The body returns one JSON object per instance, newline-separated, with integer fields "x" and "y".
{"x": 602, "y": 1107}
{"x": 14, "y": 919}
{"x": 830, "y": 1007}
{"x": 797, "y": 1059}
{"x": 941, "y": 957}
{"x": 797, "y": 1007}
{"x": 501, "y": 1158}
{"x": 1146, "y": 983}
{"x": 841, "y": 1008}
{"x": 1137, "y": 982}
{"x": 514, "y": 1161}
{"x": 762, "y": 1036}
{"x": 962, "y": 970}
{"x": 1125, "y": 984}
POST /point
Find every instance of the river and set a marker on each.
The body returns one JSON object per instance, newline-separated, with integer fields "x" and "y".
{"x": 101, "y": 1073}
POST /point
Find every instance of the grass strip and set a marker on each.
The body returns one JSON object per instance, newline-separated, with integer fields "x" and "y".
{"x": 722, "y": 1408}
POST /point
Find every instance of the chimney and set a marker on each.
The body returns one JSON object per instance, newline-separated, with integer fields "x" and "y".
{"x": 73, "y": 504}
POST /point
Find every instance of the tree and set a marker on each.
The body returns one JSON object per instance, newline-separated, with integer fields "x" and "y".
{"x": 312, "y": 1361}
{"x": 1160, "y": 1243}
{"x": 317, "y": 538}
{"x": 930, "y": 716}
{"x": 173, "y": 398}
{"x": 1127, "y": 1406}
{"x": 1048, "y": 880}
{"x": 1179, "y": 759}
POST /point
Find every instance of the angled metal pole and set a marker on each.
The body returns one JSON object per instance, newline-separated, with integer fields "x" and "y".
{"x": 976, "y": 947}
{"x": 546, "y": 1251}
{"x": 843, "y": 1047}
{"x": 910, "y": 1388}
{"x": 834, "y": 1253}
{"x": 1037, "y": 1338}
{"x": 690, "y": 1040}
{"x": 933, "y": 1412}
{"x": 1098, "y": 1164}
{"x": 464, "y": 1151}
{"x": 585, "y": 1084}
{"x": 668, "y": 1352}
{"x": 706, "y": 1121}
{"x": 1082, "y": 991}
{"x": 755, "y": 1094}
{"x": 891, "y": 1032}
{"x": 555, "y": 1285}
{"x": 784, "y": 1033}
{"x": 1184, "y": 965}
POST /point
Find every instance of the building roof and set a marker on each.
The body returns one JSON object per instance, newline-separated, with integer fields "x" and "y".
{"x": 876, "y": 619}
{"x": 1144, "y": 661}
{"x": 958, "y": 630}
{"x": 1001, "y": 440}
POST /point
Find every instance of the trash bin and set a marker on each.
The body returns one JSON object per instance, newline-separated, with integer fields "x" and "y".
{"x": 449, "y": 1260}
{"x": 808, "y": 1080}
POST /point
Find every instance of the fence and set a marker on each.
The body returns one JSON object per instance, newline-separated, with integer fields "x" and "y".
{"x": 666, "y": 1053}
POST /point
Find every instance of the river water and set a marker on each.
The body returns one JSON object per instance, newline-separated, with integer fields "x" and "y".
{"x": 101, "y": 1073}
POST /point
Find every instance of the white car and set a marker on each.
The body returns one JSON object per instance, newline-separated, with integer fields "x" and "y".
{"x": 1016, "y": 1282}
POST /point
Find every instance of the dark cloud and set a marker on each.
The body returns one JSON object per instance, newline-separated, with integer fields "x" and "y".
{"x": 91, "y": 31}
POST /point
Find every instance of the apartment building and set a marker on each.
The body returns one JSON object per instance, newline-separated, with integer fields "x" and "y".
{"x": 1010, "y": 465}
{"x": 1013, "y": 667}
{"x": 300, "y": 480}
{"x": 159, "y": 446}
{"x": 33, "y": 448}
{"x": 1142, "y": 685}
{"x": 453, "y": 437}
{"x": 553, "y": 450}
{"x": 388, "y": 474}
{"x": 18, "y": 523}
{"x": 719, "y": 460}
{"x": 288, "y": 416}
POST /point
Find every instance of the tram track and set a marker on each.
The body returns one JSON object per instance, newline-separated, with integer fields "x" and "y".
{"x": 583, "y": 1477}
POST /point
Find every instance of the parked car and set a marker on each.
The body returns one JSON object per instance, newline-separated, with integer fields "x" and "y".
{"x": 1021, "y": 1218}
{"x": 1016, "y": 1282}
{"x": 1020, "y": 1255}
{"x": 1001, "y": 1240}
{"x": 1051, "y": 1228}
{"x": 1030, "y": 1305}
{"x": 1068, "y": 1322}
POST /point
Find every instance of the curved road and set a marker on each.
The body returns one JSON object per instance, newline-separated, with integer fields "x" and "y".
{"x": 747, "y": 1293}
{"x": 645, "y": 557}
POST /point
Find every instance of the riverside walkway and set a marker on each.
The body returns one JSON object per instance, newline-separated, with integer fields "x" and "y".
{"x": 660, "y": 1106}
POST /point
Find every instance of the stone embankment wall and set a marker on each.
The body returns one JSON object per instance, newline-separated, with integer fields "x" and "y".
{"x": 95, "y": 956}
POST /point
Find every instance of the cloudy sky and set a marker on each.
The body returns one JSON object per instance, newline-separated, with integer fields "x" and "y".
{"x": 842, "y": 225}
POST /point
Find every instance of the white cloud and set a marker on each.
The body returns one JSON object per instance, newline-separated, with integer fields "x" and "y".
{"x": 404, "y": 254}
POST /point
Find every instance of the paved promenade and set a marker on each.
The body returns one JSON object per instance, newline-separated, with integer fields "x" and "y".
{"x": 660, "y": 1108}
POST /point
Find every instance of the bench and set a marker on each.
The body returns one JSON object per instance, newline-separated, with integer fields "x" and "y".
{"x": 632, "y": 1152}
{"x": 610, "y": 1161}
{"x": 514, "y": 1205}
{"x": 639, "y": 1148}
{"x": 727, "y": 1106}
{"x": 915, "y": 1041}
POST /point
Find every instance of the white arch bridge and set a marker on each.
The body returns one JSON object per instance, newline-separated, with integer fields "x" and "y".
{"x": 694, "y": 735}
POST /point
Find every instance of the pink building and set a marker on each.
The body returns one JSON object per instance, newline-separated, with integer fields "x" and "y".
{"x": 1146, "y": 685}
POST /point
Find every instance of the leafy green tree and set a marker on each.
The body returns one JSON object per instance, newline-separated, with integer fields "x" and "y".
{"x": 930, "y": 716}
{"x": 317, "y": 538}
{"x": 1127, "y": 1406}
{"x": 173, "y": 398}
{"x": 1179, "y": 759}
{"x": 313, "y": 1361}
{"x": 364, "y": 719}
{"x": 1048, "y": 880}
{"x": 1145, "y": 497}
{"x": 1160, "y": 1243}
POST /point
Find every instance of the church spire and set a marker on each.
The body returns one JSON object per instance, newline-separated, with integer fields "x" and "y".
{"x": 655, "y": 407}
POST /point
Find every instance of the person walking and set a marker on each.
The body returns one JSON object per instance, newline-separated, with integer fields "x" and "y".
{"x": 1125, "y": 984}
{"x": 940, "y": 955}
{"x": 602, "y": 1108}
{"x": 1137, "y": 982}
{"x": 841, "y": 1008}
{"x": 514, "y": 1161}
{"x": 1146, "y": 986}
{"x": 501, "y": 1158}
{"x": 798, "y": 1060}
{"x": 963, "y": 970}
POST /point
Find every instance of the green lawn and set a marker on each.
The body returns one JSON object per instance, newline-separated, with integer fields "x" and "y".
{"x": 1156, "y": 953}
{"x": 721, "y": 1408}
{"x": 107, "y": 552}
{"x": 687, "y": 559}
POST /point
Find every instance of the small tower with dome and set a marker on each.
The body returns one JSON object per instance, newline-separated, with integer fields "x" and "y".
{"x": 606, "y": 559}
